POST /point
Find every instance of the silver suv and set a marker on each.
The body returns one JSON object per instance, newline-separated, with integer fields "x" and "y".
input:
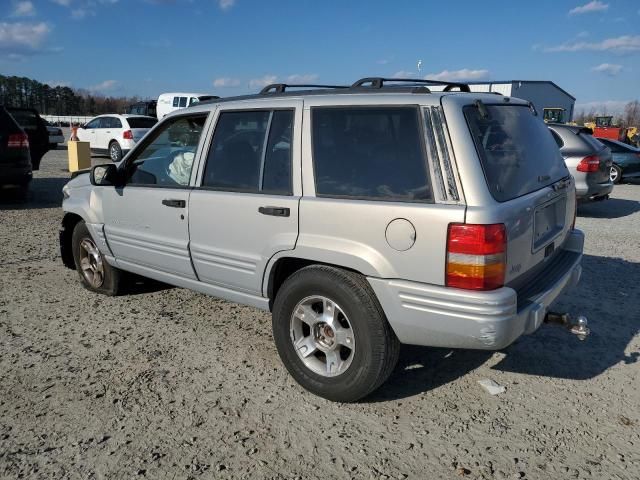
{"x": 361, "y": 217}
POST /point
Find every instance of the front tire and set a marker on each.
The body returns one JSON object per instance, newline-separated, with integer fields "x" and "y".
{"x": 615, "y": 174}
{"x": 332, "y": 335}
{"x": 115, "y": 151}
{"x": 95, "y": 273}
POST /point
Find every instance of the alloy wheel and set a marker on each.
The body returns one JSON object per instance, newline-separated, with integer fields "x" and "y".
{"x": 322, "y": 336}
{"x": 91, "y": 263}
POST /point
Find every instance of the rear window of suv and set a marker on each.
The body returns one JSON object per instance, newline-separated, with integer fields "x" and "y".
{"x": 517, "y": 151}
{"x": 371, "y": 153}
{"x": 25, "y": 118}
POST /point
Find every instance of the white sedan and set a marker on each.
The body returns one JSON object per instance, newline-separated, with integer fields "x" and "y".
{"x": 115, "y": 135}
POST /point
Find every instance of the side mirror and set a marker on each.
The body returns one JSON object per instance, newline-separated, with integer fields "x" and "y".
{"x": 104, "y": 175}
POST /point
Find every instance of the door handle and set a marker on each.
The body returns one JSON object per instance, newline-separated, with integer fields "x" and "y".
{"x": 174, "y": 203}
{"x": 275, "y": 211}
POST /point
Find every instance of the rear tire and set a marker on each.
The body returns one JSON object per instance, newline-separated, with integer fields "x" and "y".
{"x": 115, "y": 152}
{"x": 615, "y": 174}
{"x": 95, "y": 273}
{"x": 343, "y": 363}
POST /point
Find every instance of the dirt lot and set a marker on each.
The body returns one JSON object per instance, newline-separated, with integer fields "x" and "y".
{"x": 169, "y": 384}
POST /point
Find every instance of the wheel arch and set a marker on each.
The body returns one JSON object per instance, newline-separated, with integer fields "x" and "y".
{"x": 69, "y": 222}
{"x": 285, "y": 264}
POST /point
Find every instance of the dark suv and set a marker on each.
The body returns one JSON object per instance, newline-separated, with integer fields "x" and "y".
{"x": 36, "y": 129}
{"x": 15, "y": 160}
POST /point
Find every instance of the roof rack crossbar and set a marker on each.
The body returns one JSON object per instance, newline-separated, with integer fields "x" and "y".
{"x": 281, "y": 87}
{"x": 378, "y": 82}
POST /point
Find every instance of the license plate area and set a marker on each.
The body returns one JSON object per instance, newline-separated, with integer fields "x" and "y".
{"x": 548, "y": 222}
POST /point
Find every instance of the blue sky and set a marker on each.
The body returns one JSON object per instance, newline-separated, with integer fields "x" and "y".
{"x": 145, "y": 47}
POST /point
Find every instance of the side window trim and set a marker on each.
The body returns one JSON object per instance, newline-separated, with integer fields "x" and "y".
{"x": 265, "y": 143}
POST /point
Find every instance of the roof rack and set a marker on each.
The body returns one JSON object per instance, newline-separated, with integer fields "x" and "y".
{"x": 281, "y": 87}
{"x": 378, "y": 82}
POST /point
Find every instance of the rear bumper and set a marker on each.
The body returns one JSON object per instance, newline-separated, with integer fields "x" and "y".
{"x": 15, "y": 176}
{"x": 593, "y": 191}
{"x": 437, "y": 316}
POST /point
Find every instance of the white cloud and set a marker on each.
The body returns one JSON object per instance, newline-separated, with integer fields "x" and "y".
{"x": 104, "y": 86}
{"x": 403, "y": 74}
{"x": 57, "y": 83}
{"x": 459, "y": 75}
{"x": 263, "y": 81}
{"x": 24, "y": 9}
{"x": 225, "y": 82}
{"x": 604, "y": 106}
{"x": 80, "y": 13}
{"x": 593, "y": 6}
{"x": 305, "y": 78}
{"x": 623, "y": 44}
{"x": 226, "y": 4}
{"x": 610, "y": 69}
{"x": 80, "y": 9}
{"x": 18, "y": 38}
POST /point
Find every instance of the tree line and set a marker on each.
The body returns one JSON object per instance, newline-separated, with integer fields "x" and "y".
{"x": 630, "y": 117}
{"x": 58, "y": 100}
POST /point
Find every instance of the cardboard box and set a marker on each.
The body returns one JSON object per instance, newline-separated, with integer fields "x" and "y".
{"x": 79, "y": 155}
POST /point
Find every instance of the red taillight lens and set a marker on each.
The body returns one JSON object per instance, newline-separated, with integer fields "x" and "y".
{"x": 589, "y": 164}
{"x": 18, "y": 140}
{"x": 127, "y": 135}
{"x": 476, "y": 256}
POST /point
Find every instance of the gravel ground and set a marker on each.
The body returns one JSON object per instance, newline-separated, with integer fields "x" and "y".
{"x": 169, "y": 384}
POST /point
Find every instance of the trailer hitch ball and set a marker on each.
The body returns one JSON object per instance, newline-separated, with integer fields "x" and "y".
{"x": 580, "y": 328}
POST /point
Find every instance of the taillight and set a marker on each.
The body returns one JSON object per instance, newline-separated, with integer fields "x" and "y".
{"x": 476, "y": 256}
{"x": 589, "y": 164}
{"x": 127, "y": 135}
{"x": 18, "y": 140}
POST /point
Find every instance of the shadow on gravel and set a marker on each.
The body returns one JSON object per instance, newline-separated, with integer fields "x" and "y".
{"x": 612, "y": 208}
{"x": 421, "y": 369}
{"x": 43, "y": 193}
{"x": 606, "y": 295}
{"x": 610, "y": 298}
{"x": 137, "y": 285}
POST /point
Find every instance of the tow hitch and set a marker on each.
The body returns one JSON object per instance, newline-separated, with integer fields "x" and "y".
{"x": 577, "y": 326}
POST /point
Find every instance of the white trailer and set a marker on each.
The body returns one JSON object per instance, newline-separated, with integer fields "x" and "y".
{"x": 168, "y": 102}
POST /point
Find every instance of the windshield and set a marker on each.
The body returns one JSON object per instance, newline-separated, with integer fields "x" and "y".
{"x": 517, "y": 151}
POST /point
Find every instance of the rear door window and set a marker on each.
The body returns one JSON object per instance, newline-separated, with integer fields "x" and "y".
{"x": 113, "y": 122}
{"x": 517, "y": 151}
{"x": 251, "y": 152}
{"x": 370, "y": 153}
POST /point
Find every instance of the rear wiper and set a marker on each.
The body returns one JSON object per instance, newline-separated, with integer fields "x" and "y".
{"x": 484, "y": 113}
